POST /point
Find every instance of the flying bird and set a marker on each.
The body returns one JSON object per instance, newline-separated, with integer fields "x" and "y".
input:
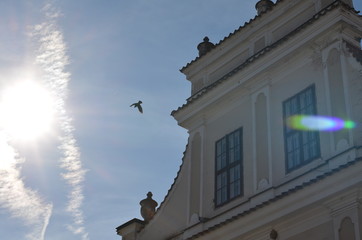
{"x": 137, "y": 105}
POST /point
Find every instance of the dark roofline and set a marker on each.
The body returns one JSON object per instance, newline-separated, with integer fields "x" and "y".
{"x": 276, "y": 198}
{"x": 264, "y": 51}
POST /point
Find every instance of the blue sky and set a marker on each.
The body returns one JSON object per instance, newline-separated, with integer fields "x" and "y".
{"x": 108, "y": 55}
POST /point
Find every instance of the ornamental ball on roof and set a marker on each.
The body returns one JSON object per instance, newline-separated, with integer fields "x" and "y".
{"x": 148, "y": 207}
{"x": 263, "y": 5}
{"x": 205, "y": 46}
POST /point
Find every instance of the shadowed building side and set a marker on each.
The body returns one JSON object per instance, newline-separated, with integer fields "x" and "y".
{"x": 275, "y": 144}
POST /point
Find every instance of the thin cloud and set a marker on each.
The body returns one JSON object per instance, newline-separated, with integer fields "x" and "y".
{"x": 22, "y": 202}
{"x": 53, "y": 59}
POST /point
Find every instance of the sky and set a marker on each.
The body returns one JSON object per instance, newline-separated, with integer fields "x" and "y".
{"x": 86, "y": 171}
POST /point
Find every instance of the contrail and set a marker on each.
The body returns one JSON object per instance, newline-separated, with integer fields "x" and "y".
{"x": 21, "y": 202}
{"x": 52, "y": 59}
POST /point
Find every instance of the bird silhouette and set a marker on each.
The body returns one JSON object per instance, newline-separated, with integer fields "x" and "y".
{"x": 137, "y": 105}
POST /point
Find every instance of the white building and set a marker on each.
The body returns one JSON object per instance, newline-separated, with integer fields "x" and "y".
{"x": 249, "y": 172}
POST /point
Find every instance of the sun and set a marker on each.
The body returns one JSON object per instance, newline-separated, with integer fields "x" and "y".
{"x": 26, "y": 111}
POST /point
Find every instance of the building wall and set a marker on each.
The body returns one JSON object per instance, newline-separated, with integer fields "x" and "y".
{"x": 237, "y": 112}
{"x": 319, "y": 200}
{"x": 238, "y": 109}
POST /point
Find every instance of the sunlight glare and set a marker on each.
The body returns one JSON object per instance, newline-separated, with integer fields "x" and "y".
{"x": 318, "y": 123}
{"x": 7, "y": 155}
{"x": 26, "y": 111}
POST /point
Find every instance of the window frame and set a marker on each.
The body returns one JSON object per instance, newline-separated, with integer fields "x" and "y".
{"x": 228, "y": 167}
{"x": 289, "y": 132}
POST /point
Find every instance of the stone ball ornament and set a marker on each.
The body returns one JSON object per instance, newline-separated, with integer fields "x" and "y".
{"x": 148, "y": 207}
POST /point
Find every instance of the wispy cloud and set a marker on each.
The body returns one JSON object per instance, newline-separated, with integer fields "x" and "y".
{"x": 21, "y": 202}
{"x": 53, "y": 59}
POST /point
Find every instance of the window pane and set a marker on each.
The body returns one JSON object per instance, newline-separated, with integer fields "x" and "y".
{"x": 294, "y": 106}
{"x": 218, "y": 196}
{"x": 224, "y": 179}
{"x": 290, "y": 161}
{"x": 228, "y": 165}
{"x": 289, "y": 145}
{"x": 223, "y": 194}
{"x": 235, "y": 173}
{"x": 223, "y": 160}
{"x": 296, "y": 145}
{"x": 232, "y": 190}
{"x": 218, "y": 163}
{"x": 237, "y": 138}
{"x": 301, "y": 146}
{"x": 306, "y": 153}
{"x": 309, "y": 110}
{"x": 218, "y": 182}
{"x": 314, "y": 149}
{"x": 302, "y": 101}
{"x": 287, "y": 110}
{"x": 221, "y": 188}
{"x": 235, "y": 181}
{"x": 235, "y": 189}
{"x": 218, "y": 148}
{"x": 231, "y": 156}
{"x": 237, "y": 146}
{"x": 221, "y": 180}
{"x": 309, "y": 96}
{"x": 237, "y": 153}
{"x": 305, "y": 137}
{"x": 223, "y": 145}
{"x": 231, "y": 141}
{"x": 218, "y": 155}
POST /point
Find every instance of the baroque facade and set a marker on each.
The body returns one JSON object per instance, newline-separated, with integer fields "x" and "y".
{"x": 263, "y": 160}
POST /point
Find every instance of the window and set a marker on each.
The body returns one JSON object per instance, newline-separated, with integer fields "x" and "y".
{"x": 229, "y": 170}
{"x": 301, "y": 147}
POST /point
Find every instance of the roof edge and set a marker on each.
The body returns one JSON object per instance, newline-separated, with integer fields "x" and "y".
{"x": 262, "y": 52}
{"x": 171, "y": 187}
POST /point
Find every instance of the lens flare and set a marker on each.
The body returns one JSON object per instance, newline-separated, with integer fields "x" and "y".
{"x": 318, "y": 123}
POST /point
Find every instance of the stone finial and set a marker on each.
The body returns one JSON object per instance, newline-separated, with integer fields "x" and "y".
{"x": 148, "y": 207}
{"x": 205, "y": 46}
{"x": 263, "y": 5}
